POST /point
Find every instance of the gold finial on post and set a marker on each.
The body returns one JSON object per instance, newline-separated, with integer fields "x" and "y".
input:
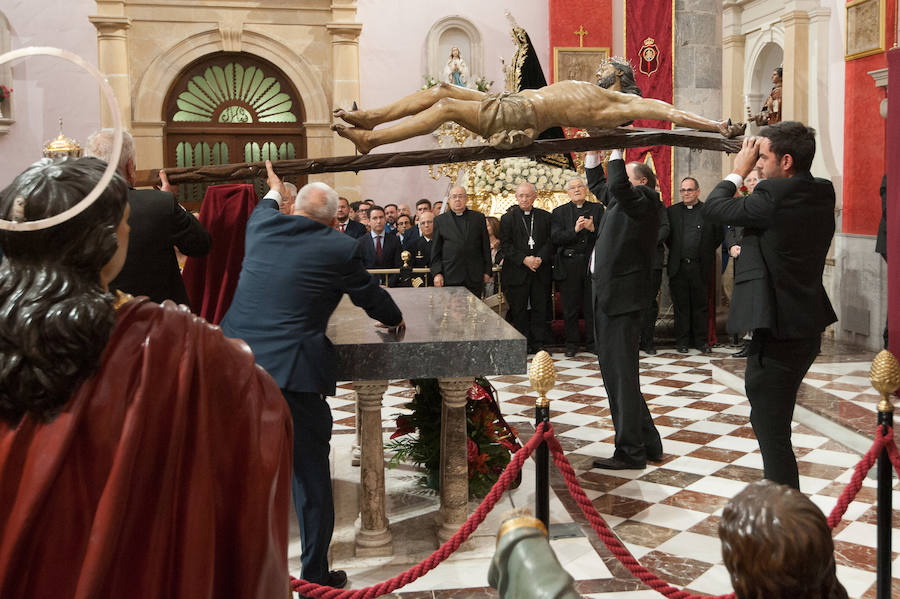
{"x": 405, "y": 255}
{"x": 542, "y": 374}
{"x": 885, "y": 378}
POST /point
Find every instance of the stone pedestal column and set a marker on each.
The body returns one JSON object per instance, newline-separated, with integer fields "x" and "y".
{"x": 374, "y": 536}
{"x": 795, "y": 80}
{"x": 454, "y": 465}
{"x": 112, "y": 60}
{"x": 345, "y": 73}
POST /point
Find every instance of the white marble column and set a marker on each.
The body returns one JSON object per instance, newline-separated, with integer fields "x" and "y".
{"x": 454, "y": 465}
{"x": 374, "y": 536}
{"x": 112, "y": 59}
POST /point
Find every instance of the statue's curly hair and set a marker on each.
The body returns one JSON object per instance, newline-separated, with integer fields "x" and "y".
{"x": 56, "y": 317}
{"x": 776, "y": 544}
{"x": 626, "y": 79}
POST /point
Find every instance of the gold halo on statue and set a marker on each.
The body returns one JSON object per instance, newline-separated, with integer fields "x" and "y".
{"x": 111, "y": 167}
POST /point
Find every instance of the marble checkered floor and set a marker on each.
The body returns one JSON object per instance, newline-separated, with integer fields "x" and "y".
{"x": 667, "y": 515}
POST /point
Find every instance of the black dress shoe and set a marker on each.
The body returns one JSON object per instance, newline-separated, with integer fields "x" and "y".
{"x": 617, "y": 464}
{"x": 570, "y": 352}
{"x": 655, "y": 457}
{"x": 705, "y": 349}
{"x": 745, "y": 352}
{"x": 336, "y": 579}
{"x": 682, "y": 349}
{"x": 651, "y": 351}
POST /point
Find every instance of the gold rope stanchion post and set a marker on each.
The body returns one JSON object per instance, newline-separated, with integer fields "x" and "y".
{"x": 885, "y": 378}
{"x": 542, "y": 374}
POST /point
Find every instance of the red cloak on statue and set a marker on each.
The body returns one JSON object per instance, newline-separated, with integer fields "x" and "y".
{"x": 167, "y": 474}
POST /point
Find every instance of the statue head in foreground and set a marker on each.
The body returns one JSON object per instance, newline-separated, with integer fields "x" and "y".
{"x": 776, "y": 544}
{"x": 57, "y": 313}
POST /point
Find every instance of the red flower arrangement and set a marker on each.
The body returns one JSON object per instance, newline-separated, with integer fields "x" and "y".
{"x": 5, "y": 92}
{"x": 490, "y": 441}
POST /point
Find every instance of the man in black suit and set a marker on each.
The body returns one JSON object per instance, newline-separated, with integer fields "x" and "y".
{"x": 573, "y": 229}
{"x": 527, "y": 255}
{"x": 620, "y": 269}
{"x": 380, "y": 248}
{"x": 461, "y": 251}
{"x": 692, "y": 253}
{"x": 881, "y": 239}
{"x": 791, "y": 213}
{"x": 651, "y": 312}
{"x": 421, "y": 246}
{"x": 406, "y": 231}
{"x": 158, "y": 222}
{"x": 345, "y": 224}
{"x": 296, "y": 269}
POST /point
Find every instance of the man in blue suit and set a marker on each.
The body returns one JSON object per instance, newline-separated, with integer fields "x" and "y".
{"x": 296, "y": 269}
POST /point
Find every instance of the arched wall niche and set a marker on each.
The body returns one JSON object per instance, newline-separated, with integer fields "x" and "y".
{"x": 766, "y": 51}
{"x": 770, "y": 56}
{"x": 456, "y": 31}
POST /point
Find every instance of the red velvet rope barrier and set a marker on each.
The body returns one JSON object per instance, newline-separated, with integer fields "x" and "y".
{"x": 883, "y": 440}
{"x": 441, "y": 553}
{"x": 863, "y": 467}
{"x": 607, "y": 536}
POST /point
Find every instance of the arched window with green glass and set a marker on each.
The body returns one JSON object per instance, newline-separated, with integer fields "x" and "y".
{"x": 231, "y": 107}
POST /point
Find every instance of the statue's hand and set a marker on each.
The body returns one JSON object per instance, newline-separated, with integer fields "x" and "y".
{"x": 730, "y": 130}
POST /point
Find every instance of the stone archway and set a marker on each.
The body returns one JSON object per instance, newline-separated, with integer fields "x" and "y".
{"x": 149, "y": 92}
{"x": 231, "y": 107}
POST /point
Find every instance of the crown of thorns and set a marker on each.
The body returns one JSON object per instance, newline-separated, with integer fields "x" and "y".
{"x": 617, "y": 60}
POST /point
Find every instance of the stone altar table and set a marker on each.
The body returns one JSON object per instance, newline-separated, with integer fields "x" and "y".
{"x": 450, "y": 335}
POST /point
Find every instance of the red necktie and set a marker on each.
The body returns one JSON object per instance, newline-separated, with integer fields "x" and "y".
{"x": 378, "y": 247}
{"x": 342, "y": 227}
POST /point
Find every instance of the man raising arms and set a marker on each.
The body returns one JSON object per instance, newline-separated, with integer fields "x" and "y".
{"x": 792, "y": 213}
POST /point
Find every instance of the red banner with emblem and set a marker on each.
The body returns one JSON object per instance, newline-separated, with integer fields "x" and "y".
{"x": 649, "y": 33}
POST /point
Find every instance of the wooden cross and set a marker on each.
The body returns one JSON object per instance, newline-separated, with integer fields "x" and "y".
{"x": 581, "y": 33}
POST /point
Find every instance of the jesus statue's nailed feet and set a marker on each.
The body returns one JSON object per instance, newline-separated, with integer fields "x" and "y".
{"x": 730, "y": 130}
{"x": 353, "y": 117}
{"x": 359, "y": 137}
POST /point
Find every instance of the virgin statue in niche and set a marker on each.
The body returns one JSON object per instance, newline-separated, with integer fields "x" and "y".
{"x": 456, "y": 71}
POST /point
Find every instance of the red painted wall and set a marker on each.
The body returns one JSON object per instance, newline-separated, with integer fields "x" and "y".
{"x": 864, "y": 138}
{"x": 566, "y": 16}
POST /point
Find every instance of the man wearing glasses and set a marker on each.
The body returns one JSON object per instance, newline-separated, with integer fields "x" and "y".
{"x": 692, "y": 250}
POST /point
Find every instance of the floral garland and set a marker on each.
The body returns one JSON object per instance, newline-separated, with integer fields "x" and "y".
{"x": 504, "y": 175}
{"x": 490, "y": 441}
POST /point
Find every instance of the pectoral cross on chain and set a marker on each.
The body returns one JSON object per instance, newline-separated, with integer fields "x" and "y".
{"x": 530, "y": 242}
